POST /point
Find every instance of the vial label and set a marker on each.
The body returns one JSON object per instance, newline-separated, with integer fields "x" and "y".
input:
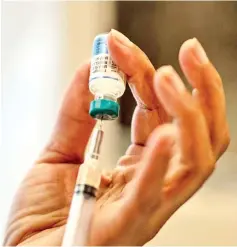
{"x": 102, "y": 64}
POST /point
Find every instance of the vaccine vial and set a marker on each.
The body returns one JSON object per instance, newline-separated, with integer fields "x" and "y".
{"x": 107, "y": 82}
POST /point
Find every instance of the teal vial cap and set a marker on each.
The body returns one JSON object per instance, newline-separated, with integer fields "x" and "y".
{"x": 104, "y": 108}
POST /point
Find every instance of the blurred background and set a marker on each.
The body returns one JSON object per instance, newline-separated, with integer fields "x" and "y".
{"x": 43, "y": 43}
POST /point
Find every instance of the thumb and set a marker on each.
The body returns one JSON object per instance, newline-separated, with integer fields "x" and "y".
{"x": 74, "y": 124}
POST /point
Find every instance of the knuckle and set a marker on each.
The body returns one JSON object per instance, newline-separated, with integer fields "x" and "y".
{"x": 210, "y": 168}
{"x": 144, "y": 72}
{"x": 207, "y": 167}
{"x": 206, "y": 170}
{"x": 225, "y": 142}
{"x": 148, "y": 74}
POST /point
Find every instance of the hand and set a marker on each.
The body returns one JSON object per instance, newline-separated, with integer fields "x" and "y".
{"x": 166, "y": 163}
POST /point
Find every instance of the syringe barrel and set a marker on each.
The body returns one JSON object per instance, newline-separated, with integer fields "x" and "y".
{"x": 79, "y": 220}
{"x": 84, "y": 198}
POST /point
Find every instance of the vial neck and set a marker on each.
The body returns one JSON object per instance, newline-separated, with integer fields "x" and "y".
{"x": 106, "y": 96}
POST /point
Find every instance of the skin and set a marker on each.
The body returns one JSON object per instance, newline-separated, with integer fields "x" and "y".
{"x": 176, "y": 139}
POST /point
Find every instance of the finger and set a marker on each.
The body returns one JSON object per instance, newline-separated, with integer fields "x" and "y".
{"x": 135, "y": 64}
{"x": 149, "y": 179}
{"x": 203, "y": 76}
{"x": 128, "y": 160}
{"x": 143, "y": 123}
{"x": 149, "y": 112}
{"x": 193, "y": 133}
{"x": 201, "y": 100}
{"x": 106, "y": 179}
{"x": 134, "y": 149}
{"x": 74, "y": 125}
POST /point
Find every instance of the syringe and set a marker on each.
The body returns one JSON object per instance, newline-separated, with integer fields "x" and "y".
{"x": 84, "y": 198}
{"x": 107, "y": 82}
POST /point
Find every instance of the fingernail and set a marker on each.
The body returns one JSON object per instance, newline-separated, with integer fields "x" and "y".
{"x": 122, "y": 39}
{"x": 199, "y": 52}
{"x": 171, "y": 78}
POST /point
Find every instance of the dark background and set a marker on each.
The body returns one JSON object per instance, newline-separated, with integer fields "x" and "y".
{"x": 169, "y": 24}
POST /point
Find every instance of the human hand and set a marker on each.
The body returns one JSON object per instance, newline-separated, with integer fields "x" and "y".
{"x": 166, "y": 163}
